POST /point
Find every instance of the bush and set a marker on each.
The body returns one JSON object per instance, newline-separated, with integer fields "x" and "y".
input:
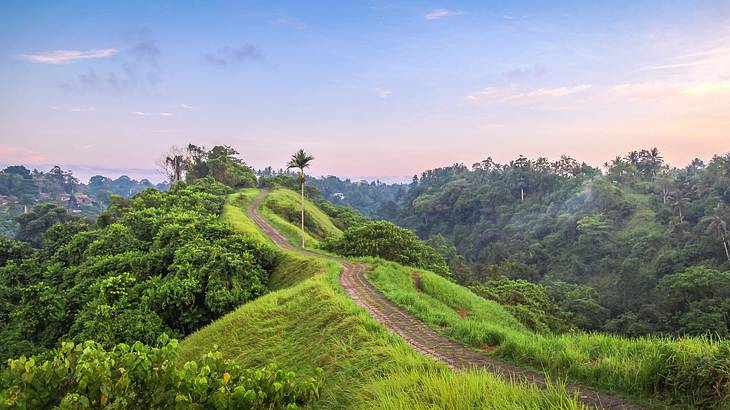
{"x": 528, "y": 302}
{"x": 385, "y": 240}
{"x": 86, "y": 375}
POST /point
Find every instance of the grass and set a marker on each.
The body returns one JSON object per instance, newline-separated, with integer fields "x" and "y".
{"x": 314, "y": 324}
{"x": 444, "y": 389}
{"x": 308, "y": 321}
{"x": 283, "y": 208}
{"x": 234, "y": 214}
{"x": 681, "y": 371}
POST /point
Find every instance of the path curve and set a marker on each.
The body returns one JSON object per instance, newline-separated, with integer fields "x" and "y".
{"x": 418, "y": 334}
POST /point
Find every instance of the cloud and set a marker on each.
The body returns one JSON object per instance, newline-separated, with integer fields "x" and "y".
{"x": 135, "y": 67}
{"x": 523, "y": 73}
{"x": 438, "y": 14}
{"x": 382, "y": 92}
{"x": 75, "y": 109}
{"x": 11, "y": 154}
{"x": 228, "y": 56}
{"x": 660, "y": 90}
{"x": 152, "y": 114}
{"x": 286, "y": 20}
{"x": 711, "y": 57}
{"x": 514, "y": 96}
{"x": 68, "y": 56}
{"x": 187, "y": 107}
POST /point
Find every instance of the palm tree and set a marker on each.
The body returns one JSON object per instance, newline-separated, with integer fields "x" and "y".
{"x": 716, "y": 223}
{"x": 680, "y": 203}
{"x": 300, "y": 160}
{"x": 632, "y": 158}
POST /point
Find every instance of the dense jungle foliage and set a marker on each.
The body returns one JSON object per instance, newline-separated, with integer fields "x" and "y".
{"x": 161, "y": 262}
{"x": 640, "y": 248}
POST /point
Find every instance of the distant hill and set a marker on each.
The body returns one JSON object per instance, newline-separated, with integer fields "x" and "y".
{"x": 22, "y": 188}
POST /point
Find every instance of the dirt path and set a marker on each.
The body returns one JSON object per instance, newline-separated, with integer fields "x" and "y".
{"x": 418, "y": 334}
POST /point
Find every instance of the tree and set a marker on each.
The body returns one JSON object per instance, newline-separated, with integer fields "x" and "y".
{"x": 632, "y": 158}
{"x": 173, "y": 164}
{"x": 300, "y": 160}
{"x": 716, "y": 223}
{"x": 36, "y": 222}
{"x": 680, "y": 203}
{"x": 176, "y": 166}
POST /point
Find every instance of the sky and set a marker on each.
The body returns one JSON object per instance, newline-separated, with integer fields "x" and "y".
{"x": 371, "y": 88}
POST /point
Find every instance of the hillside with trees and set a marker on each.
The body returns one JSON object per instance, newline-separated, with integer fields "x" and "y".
{"x": 639, "y": 248}
{"x": 21, "y": 189}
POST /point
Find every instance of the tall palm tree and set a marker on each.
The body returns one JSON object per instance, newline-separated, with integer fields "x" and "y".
{"x": 300, "y": 160}
{"x": 716, "y": 223}
{"x": 632, "y": 158}
{"x": 679, "y": 203}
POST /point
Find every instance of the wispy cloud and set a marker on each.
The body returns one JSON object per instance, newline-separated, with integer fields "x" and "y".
{"x": 11, "y": 154}
{"x": 187, "y": 107}
{"x": 229, "y": 56}
{"x": 661, "y": 90}
{"x": 520, "y": 96}
{"x": 382, "y": 92}
{"x": 152, "y": 114}
{"x": 288, "y": 21}
{"x": 74, "y": 109}
{"x": 718, "y": 56}
{"x": 438, "y": 14}
{"x": 525, "y": 72}
{"x": 135, "y": 67}
{"x": 68, "y": 56}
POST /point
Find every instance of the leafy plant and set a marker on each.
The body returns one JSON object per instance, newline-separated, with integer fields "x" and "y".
{"x": 86, "y": 376}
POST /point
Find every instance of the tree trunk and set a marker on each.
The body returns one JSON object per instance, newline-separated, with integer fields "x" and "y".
{"x": 727, "y": 251}
{"x": 302, "y": 214}
{"x": 522, "y": 194}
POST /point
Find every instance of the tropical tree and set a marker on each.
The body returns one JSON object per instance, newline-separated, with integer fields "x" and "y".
{"x": 680, "y": 203}
{"x": 633, "y": 158}
{"x": 175, "y": 164}
{"x": 300, "y": 160}
{"x": 716, "y": 223}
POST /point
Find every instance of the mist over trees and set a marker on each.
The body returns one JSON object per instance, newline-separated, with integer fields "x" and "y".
{"x": 649, "y": 242}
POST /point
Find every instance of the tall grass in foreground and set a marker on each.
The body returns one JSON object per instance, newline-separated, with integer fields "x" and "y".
{"x": 478, "y": 389}
{"x": 692, "y": 371}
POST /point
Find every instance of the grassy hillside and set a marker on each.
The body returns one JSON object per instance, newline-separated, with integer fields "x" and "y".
{"x": 308, "y": 321}
{"x": 234, "y": 213}
{"x": 689, "y": 371}
{"x": 313, "y": 324}
{"x": 282, "y": 208}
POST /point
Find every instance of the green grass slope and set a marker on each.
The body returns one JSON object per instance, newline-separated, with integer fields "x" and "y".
{"x": 686, "y": 371}
{"x": 234, "y": 214}
{"x": 314, "y": 324}
{"x": 282, "y": 207}
{"x": 308, "y": 321}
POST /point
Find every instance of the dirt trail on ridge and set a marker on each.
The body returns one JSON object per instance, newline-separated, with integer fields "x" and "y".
{"x": 418, "y": 334}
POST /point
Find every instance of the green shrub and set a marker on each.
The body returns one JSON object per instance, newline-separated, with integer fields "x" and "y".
{"x": 385, "y": 240}
{"x": 83, "y": 376}
{"x": 528, "y": 302}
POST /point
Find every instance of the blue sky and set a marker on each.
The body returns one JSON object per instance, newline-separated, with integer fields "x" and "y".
{"x": 371, "y": 88}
